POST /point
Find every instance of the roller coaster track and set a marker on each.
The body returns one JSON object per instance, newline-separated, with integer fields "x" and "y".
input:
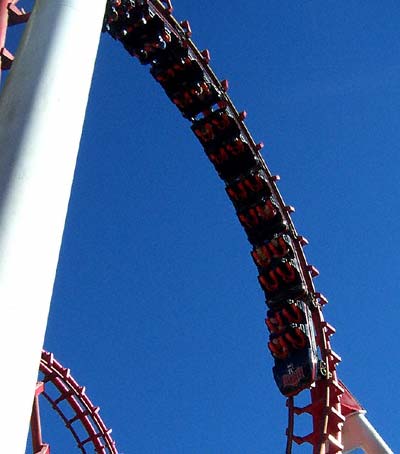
{"x": 62, "y": 391}
{"x": 326, "y": 391}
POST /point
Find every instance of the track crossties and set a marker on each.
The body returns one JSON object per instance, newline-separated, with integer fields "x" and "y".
{"x": 70, "y": 401}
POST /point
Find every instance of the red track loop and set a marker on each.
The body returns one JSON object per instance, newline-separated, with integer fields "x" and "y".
{"x": 61, "y": 388}
{"x": 203, "y": 104}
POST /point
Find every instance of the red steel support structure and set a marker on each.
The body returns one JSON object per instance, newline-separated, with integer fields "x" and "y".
{"x": 36, "y": 430}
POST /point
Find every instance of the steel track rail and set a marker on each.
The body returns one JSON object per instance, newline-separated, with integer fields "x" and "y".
{"x": 325, "y": 394}
{"x": 61, "y": 389}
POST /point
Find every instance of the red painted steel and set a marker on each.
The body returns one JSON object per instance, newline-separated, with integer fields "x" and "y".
{"x": 17, "y": 15}
{"x": 86, "y": 415}
{"x": 349, "y": 403}
{"x": 36, "y": 430}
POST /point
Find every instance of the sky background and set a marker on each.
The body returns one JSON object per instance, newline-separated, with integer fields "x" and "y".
{"x": 156, "y": 305}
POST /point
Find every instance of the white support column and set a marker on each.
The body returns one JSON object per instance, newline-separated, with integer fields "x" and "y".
{"x": 358, "y": 432}
{"x": 42, "y": 109}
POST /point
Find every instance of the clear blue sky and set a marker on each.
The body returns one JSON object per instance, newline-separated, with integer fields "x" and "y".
{"x": 156, "y": 306}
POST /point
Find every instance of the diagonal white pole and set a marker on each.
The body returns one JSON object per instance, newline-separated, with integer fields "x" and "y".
{"x": 42, "y": 109}
{"x": 359, "y": 433}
